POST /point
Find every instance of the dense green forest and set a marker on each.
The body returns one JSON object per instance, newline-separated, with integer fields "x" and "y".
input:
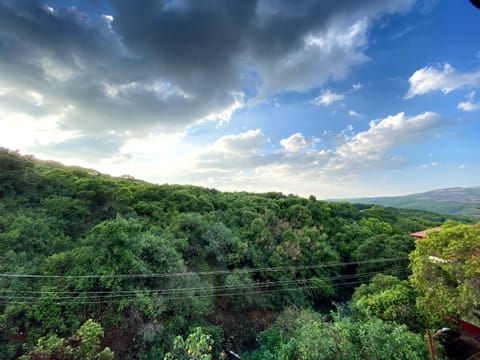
{"x": 93, "y": 266}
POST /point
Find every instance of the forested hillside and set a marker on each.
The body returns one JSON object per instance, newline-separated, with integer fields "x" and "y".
{"x": 460, "y": 201}
{"x": 151, "y": 262}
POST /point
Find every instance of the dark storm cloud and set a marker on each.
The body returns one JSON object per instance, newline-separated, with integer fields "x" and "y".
{"x": 195, "y": 41}
{"x": 170, "y": 63}
{"x": 187, "y": 41}
{"x": 30, "y": 33}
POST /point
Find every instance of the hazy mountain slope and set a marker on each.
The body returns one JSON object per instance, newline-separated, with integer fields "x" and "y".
{"x": 454, "y": 201}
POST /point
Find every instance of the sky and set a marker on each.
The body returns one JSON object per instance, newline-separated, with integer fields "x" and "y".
{"x": 342, "y": 98}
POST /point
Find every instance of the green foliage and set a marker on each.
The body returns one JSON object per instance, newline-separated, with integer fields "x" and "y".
{"x": 197, "y": 346}
{"x": 308, "y": 336}
{"x": 384, "y": 246}
{"x": 85, "y": 345}
{"x": 16, "y": 173}
{"x": 246, "y": 298}
{"x": 222, "y": 245}
{"x": 446, "y": 273}
{"x": 69, "y": 222}
{"x": 390, "y": 299}
{"x": 90, "y": 333}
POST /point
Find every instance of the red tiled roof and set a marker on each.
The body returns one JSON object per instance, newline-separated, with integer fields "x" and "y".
{"x": 422, "y": 234}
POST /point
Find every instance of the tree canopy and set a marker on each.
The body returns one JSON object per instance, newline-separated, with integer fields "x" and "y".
{"x": 304, "y": 335}
{"x": 152, "y": 262}
{"x": 446, "y": 273}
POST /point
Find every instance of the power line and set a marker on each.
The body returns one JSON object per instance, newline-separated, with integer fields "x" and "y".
{"x": 170, "y": 294}
{"x": 201, "y": 273}
{"x": 218, "y": 287}
{"x": 298, "y": 288}
{"x": 326, "y": 278}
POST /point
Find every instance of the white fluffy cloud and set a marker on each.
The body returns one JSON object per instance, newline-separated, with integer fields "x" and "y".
{"x": 469, "y": 106}
{"x": 371, "y": 147}
{"x": 353, "y": 114}
{"x": 441, "y": 78}
{"x": 299, "y": 165}
{"x": 242, "y": 160}
{"x": 294, "y": 143}
{"x": 328, "y": 97}
{"x": 244, "y": 143}
{"x": 224, "y": 115}
{"x": 228, "y": 154}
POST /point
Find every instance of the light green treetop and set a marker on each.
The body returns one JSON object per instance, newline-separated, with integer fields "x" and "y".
{"x": 446, "y": 272}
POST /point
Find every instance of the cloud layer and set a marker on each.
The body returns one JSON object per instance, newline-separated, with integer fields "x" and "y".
{"x": 131, "y": 88}
{"x": 148, "y": 67}
{"x": 441, "y": 78}
{"x": 300, "y": 161}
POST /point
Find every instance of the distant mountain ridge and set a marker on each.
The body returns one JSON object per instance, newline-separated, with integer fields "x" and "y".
{"x": 463, "y": 201}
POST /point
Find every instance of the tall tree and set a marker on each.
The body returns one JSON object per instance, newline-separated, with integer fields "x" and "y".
{"x": 446, "y": 272}
{"x": 388, "y": 298}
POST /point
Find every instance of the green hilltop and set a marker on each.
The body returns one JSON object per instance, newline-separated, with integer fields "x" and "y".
{"x": 460, "y": 201}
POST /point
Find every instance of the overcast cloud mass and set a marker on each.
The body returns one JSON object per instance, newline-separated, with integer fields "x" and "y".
{"x": 316, "y": 97}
